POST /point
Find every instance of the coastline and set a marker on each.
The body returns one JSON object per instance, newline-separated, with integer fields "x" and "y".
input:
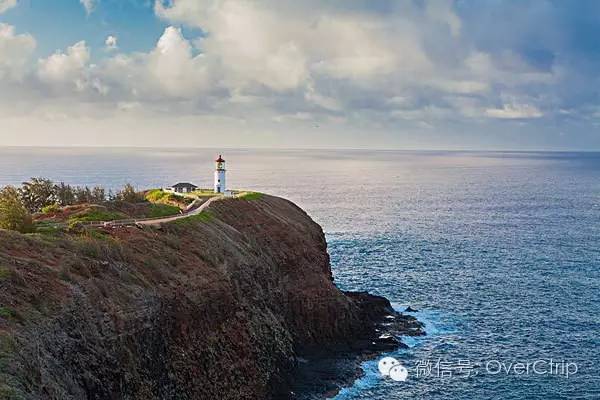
{"x": 324, "y": 372}
{"x": 237, "y": 302}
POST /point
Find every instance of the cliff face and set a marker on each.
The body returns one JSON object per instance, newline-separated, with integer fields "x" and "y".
{"x": 217, "y": 306}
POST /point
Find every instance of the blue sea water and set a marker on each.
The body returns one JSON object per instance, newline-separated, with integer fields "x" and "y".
{"x": 499, "y": 251}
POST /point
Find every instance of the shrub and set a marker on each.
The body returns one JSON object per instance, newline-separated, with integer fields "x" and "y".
{"x": 75, "y": 227}
{"x": 13, "y": 214}
{"x": 156, "y": 195}
{"x": 50, "y": 208}
{"x": 129, "y": 194}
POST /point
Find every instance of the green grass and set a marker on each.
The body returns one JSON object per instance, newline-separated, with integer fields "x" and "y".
{"x": 250, "y": 196}
{"x": 156, "y": 195}
{"x": 7, "y": 312}
{"x": 160, "y": 196}
{"x": 204, "y": 216}
{"x": 97, "y": 215}
{"x": 205, "y": 193}
{"x": 162, "y": 210}
{"x": 8, "y": 393}
{"x": 5, "y": 273}
{"x": 7, "y": 344}
{"x": 49, "y": 228}
{"x": 90, "y": 233}
{"x": 179, "y": 199}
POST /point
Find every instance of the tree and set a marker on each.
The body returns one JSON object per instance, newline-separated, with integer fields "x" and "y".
{"x": 37, "y": 193}
{"x": 65, "y": 196}
{"x": 83, "y": 194}
{"x": 98, "y": 195}
{"x": 13, "y": 214}
{"x": 129, "y": 194}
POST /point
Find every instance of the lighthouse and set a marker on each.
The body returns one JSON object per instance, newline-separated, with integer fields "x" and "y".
{"x": 220, "y": 184}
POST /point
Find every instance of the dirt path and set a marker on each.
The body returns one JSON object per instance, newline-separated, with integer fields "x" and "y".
{"x": 195, "y": 211}
{"x": 156, "y": 221}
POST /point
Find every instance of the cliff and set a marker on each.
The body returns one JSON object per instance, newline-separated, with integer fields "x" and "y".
{"x": 235, "y": 303}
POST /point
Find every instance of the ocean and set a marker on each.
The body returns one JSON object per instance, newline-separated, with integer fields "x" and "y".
{"x": 498, "y": 251}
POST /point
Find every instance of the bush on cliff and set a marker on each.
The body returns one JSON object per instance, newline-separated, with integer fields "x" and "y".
{"x": 37, "y": 193}
{"x": 162, "y": 197}
{"x": 129, "y": 194}
{"x": 156, "y": 195}
{"x": 52, "y": 208}
{"x": 13, "y": 214}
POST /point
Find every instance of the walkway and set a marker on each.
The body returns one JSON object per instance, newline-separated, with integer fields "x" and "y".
{"x": 156, "y": 221}
{"x": 195, "y": 211}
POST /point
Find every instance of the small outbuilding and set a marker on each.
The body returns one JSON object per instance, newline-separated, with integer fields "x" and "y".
{"x": 182, "y": 187}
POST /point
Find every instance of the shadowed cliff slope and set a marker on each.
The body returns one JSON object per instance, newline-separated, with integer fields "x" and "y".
{"x": 217, "y": 306}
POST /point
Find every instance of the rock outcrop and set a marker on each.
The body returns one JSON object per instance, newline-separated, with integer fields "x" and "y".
{"x": 235, "y": 303}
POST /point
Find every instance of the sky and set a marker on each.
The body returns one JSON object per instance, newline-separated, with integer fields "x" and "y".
{"x": 386, "y": 74}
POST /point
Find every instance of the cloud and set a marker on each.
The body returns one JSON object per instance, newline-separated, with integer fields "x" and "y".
{"x": 345, "y": 59}
{"x": 252, "y": 45}
{"x": 514, "y": 111}
{"x": 89, "y": 5}
{"x": 69, "y": 71}
{"x": 15, "y": 52}
{"x": 384, "y": 65}
{"x": 111, "y": 42}
{"x": 441, "y": 10}
{"x": 189, "y": 12}
{"x": 173, "y": 66}
{"x": 5, "y": 5}
{"x": 342, "y": 54}
{"x": 283, "y": 45}
{"x": 169, "y": 70}
{"x": 65, "y": 67}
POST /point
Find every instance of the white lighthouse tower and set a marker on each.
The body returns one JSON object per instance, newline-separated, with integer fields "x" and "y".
{"x": 220, "y": 183}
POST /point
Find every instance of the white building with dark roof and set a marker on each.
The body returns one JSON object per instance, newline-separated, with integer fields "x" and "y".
{"x": 182, "y": 187}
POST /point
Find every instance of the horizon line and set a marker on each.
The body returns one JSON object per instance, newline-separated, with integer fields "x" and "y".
{"x": 470, "y": 150}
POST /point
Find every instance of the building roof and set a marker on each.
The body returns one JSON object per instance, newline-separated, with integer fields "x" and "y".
{"x": 184, "y": 184}
{"x": 220, "y": 159}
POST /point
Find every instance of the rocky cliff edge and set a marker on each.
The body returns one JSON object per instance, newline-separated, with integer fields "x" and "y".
{"x": 235, "y": 303}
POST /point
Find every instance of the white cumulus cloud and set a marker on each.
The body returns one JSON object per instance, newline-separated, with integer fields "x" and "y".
{"x": 6, "y": 5}
{"x": 282, "y": 57}
{"x": 15, "y": 52}
{"x": 111, "y": 42}
{"x": 171, "y": 69}
{"x": 281, "y": 45}
{"x": 368, "y": 66}
{"x": 70, "y": 70}
{"x": 65, "y": 67}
